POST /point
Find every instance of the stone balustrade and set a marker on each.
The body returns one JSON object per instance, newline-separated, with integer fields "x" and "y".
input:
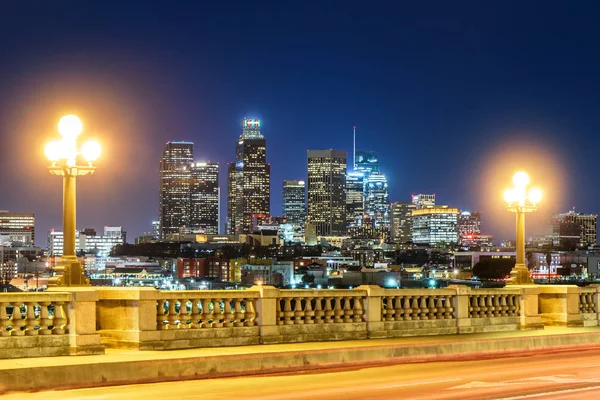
{"x": 205, "y": 309}
{"x": 48, "y": 324}
{"x": 84, "y": 320}
{"x": 569, "y": 305}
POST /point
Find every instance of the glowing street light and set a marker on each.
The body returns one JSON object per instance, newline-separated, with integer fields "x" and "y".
{"x": 521, "y": 202}
{"x": 63, "y": 156}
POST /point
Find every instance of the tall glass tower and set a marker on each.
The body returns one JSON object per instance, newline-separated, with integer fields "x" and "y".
{"x": 327, "y": 191}
{"x": 174, "y": 184}
{"x": 294, "y": 203}
{"x": 249, "y": 179}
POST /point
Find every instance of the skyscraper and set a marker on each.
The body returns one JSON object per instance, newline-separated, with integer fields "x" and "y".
{"x": 204, "y": 192}
{"x": 377, "y": 201}
{"x": 354, "y": 199}
{"x": 189, "y": 192}
{"x": 401, "y": 221}
{"x": 435, "y": 225}
{"x": 231, "y": 199}
{"x": 469, "y": 227}
{"x": 250, "y": 180}
{"x": 327, "y": 191}
{"x": 174, "y": 196}
{"x": 294, "y": 203}
{"x": 573, "y": 229}
{"x": 366, "y": 162}
{"x": 423, "y": 200}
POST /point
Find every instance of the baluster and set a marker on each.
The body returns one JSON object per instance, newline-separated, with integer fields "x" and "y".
{"x": 228, "y": 313}
{"x": 279, "y": 312}
{"x": 195, "y": 314}
{"x": 347, "y": 309}
{"x": 514, "y": 299}
{"x": 184, "y": 315}
{"x": 489, "y": 305}
{"x": 309, "y": 314}
{"x": 440, "y": 309}
{"x": 482, "y": 306}
{"x": 31, "y": 320}
{"x": 358, "y": 312}
{"x": 217, "y": 314}
{"x": 414, "y": 308}
{"x": 160, "y": 314}
{"x": 407, "y": 309}
{"x": 298, "y": 311}
{"x": 4, "y": 323}
{"x": 17, "y": 321}
{"x": 59, "y": 319}
{"x": 502, "y": 306}
{"x": 398, "y": 310}
{"x": 44, "y": 320}
{"x": 319, "y": 312}
{"x": 473, "y": 306}
{"x": 206, "y": 314}
{"x": 238, "y": 315}
{"x": 337, "y": 310}
{"x": 250, "y": 311}
{"x": 431, "y": 307}
{"x": 448, "y": 310}
{"x": 328, "y": 317}
{"x": 172, "y": 315}
{"x": 389, "y": 308}
{"x": 288, "y": 314}
{"x": 423, "y": 307}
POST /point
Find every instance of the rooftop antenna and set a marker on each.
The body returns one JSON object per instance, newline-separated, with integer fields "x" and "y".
{"x": 354, "y": 150}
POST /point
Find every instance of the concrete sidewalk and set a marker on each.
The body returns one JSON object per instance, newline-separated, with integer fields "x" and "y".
{"x": 118, "y": 367}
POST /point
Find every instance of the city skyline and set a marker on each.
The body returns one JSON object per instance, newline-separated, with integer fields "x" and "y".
{"x": 460, "y": 102}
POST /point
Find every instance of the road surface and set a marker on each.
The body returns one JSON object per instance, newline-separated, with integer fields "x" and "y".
{"x": 564, "y": 375}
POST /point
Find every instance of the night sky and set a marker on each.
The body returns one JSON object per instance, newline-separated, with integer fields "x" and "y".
{"x": 454, "y": 97}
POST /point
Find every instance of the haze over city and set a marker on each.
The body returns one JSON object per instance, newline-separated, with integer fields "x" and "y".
{"x": 451, "y": 105}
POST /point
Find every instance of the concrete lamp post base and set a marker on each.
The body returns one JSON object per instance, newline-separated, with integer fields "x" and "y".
{"x": 519, "y": 275}
{"x": 69, "y": 272}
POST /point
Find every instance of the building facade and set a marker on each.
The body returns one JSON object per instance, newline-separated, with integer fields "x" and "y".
{"x": 294, "y": 203}
{"x": 189, "y": 192}
{"x": 573, "y": 228}
{"x": 89, "y": 241}
{"x": 435, "y": 225}
{"x": 355, "y": 207}
{"x": 327, "y": 191}
{"x": 204, "y": 197}
{"x": 175, "y": 179}
{"x": 377, "y": 200}
{"x": 401, "y": 221}
{"x": 249, "y": 186}
{"x": 423, "y": 200}
{"x": 469, "y": 227}
{"x": 18, "y": 228}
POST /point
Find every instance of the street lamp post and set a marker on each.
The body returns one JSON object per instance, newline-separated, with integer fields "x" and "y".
{"x": 521, "y": 202}
{"x": 63, "y": 156}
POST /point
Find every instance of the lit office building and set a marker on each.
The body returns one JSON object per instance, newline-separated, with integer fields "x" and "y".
{"x": 88, "y": 241}
{"x": 175, "y": 179}
{"x": 294, "y": 203}
{"x": 366, "y": 162}
{"x": 327, "y": 191}
{"x": 230, "y": 227}
{"x": 249, "y": 179}
{"x": 18, "y": 228}
{"x": 435, "y": 225}
{"x": 155, "y": 229}
{"x": 204, "y": 197}
{"x": 423, "y": 200}
{"x": 469, "y": 227}
{"x": 573, "y": 229}
{"x": 354, "y": 199}
{"x": 401, "y": 221}
{"x": 377, "y": 201}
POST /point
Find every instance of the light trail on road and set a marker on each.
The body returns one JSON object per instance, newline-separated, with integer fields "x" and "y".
{"x": 545, "y": 376}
